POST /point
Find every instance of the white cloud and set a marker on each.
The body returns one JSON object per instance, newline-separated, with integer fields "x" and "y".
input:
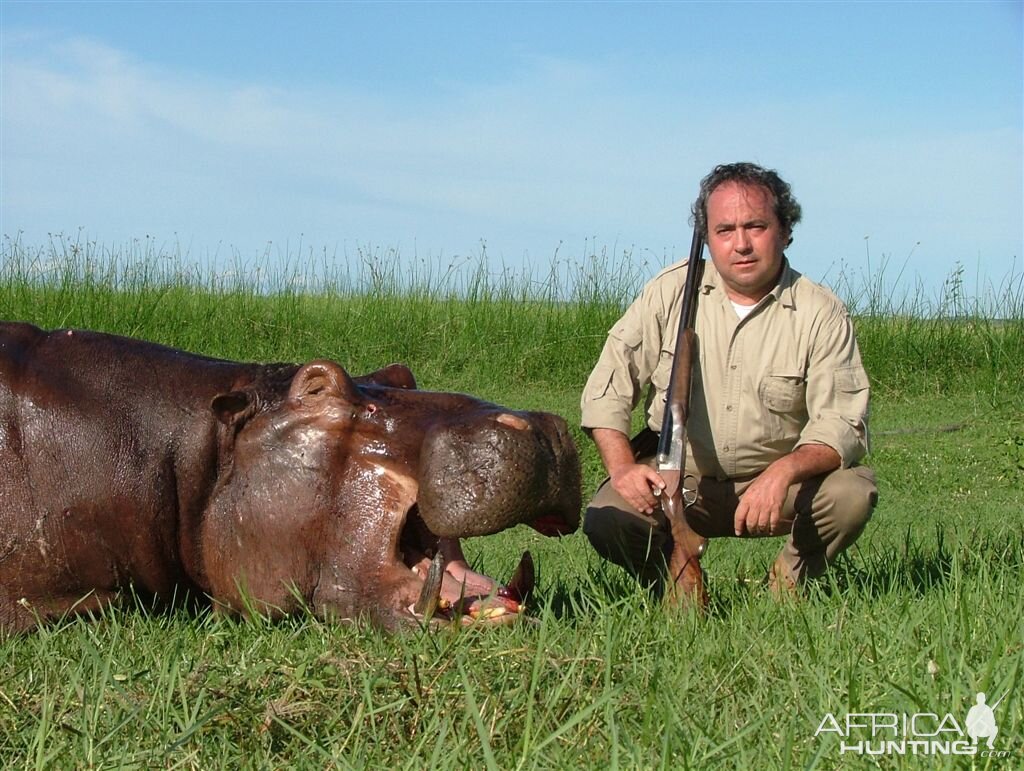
{"x": 562, "y": 151}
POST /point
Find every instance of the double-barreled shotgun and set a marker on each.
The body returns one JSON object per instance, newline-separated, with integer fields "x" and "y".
{"x": 686, "y": 578}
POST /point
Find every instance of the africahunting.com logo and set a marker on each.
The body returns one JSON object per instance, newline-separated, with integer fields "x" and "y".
{"x": 917, "y": 733}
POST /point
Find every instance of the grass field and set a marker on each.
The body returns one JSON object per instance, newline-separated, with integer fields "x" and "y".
{"x": 923, "y": 613}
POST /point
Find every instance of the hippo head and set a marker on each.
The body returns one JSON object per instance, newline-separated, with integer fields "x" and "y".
{"x": 341, "y": 494}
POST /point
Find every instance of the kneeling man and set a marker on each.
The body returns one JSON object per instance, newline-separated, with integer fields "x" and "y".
{"x": 778, "y": 403}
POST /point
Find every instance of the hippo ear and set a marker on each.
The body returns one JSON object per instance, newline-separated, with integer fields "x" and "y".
{"x": 320, "y": 379}
{"x": 232, "y": 407}
{"x": 393, "y": 375}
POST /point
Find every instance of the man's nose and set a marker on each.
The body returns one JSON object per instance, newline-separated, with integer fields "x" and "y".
{"x": 742, "y": 241}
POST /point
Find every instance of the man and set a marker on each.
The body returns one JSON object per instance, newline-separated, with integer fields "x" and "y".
{"x": 778, "y": 406}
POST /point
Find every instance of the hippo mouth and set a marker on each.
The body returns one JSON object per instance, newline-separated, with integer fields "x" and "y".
{"x": 463, "y": 605}
{"x": 452, "y": 593}
{"x": 478, "y": 477}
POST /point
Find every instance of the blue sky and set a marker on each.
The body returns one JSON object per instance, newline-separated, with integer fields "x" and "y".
{"x": 434, "y": 127}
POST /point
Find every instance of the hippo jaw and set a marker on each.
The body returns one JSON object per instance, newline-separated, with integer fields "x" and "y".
{"x": 477, "y": 469}
{"x": 435, "y": 589}
{"x": 479, "y": 477}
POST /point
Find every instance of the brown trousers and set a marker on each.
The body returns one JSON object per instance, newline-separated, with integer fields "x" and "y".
{"x": 822, "y": 516}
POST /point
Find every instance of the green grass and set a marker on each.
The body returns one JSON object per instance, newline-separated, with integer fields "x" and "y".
{"x": 922, "y": 613}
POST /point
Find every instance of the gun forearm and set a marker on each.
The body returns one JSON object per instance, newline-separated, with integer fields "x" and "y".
{"x": 637, "y": 483}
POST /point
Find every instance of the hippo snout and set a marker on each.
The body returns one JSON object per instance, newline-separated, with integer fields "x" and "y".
{"x": 484, "y": 473}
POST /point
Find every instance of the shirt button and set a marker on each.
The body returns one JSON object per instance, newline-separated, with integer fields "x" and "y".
{"x": 732, "y": 366}
{"x": 728, "y": 408}
{"x": 726, "y": 448}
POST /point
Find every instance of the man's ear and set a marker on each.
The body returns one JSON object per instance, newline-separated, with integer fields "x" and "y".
{"x": 322, "y": 379}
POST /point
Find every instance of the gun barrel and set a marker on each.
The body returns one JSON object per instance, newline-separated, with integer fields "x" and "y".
{"x": 678, "y": 396}
{"x": 685, "y": 574}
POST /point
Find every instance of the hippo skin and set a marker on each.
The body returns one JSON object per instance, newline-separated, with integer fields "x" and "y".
{"x": 272, "y": 487}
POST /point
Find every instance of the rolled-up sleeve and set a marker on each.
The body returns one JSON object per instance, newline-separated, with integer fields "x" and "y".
{"x": 838, "y": 390}
{"x": 624, "y": 368}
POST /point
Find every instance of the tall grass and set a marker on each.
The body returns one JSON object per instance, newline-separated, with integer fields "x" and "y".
{"x": 920, "y": 615}
{"x": 464, "y": 320}
{"x": 942, "y": 340}
{"x": 365, "y": 312}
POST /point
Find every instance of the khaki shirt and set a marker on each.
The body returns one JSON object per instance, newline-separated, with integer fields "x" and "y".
{"x": 788, "y": 374}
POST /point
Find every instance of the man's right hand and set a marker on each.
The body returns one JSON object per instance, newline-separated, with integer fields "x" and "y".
{"x": 638, "y": 484}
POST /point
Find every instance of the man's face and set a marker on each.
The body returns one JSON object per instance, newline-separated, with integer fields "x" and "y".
{"x": 745, "y": 240}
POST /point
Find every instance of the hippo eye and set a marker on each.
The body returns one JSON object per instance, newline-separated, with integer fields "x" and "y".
{"x": 371, "y": 408}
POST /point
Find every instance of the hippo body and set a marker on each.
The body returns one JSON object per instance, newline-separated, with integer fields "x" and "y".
{"x": 269, "y": 487}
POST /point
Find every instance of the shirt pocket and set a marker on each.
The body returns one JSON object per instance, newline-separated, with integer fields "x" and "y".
{"x": 783, "y": 393}
{"x": 850, "y": 380}
{"x": 785, "y": 397}
{"x": 599, "y": 382}
{"x": 850, "y": 386}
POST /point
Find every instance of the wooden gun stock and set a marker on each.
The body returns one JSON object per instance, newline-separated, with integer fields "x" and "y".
{"x": 686, "y": 578}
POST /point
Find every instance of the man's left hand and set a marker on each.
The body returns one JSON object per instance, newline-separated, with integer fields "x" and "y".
{"x": 760, "y": 508}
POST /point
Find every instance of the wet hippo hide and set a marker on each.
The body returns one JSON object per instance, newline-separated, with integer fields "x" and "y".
{"x": 266, "y": 486}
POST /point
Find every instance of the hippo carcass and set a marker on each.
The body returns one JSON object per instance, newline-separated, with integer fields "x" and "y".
{"x": 275, "y": 487}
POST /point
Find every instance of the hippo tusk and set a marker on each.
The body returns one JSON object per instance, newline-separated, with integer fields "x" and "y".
{"x": 522, "y": 581}
{"x": 430, "y": 595}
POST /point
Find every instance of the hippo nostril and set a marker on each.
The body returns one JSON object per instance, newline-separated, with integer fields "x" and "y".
{"x": 513, "y": 421}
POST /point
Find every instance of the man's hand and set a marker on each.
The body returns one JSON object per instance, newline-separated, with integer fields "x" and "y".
{"x": 760, "y": 508}
{"x": 638, "y": 484}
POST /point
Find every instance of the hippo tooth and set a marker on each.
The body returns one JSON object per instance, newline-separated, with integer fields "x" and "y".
{"x": 522, "y": 581}
{"x": 430, "y": 595}
{"x": 485, "y": 614}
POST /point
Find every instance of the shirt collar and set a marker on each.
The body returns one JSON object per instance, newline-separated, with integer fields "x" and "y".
{"x": 782, "y": 292}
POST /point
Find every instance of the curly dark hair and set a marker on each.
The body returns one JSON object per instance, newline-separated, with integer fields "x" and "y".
{"x": 786, "y": 208}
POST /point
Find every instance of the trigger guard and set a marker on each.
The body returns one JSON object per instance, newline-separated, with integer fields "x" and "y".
{"x": 689, "y": 494}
